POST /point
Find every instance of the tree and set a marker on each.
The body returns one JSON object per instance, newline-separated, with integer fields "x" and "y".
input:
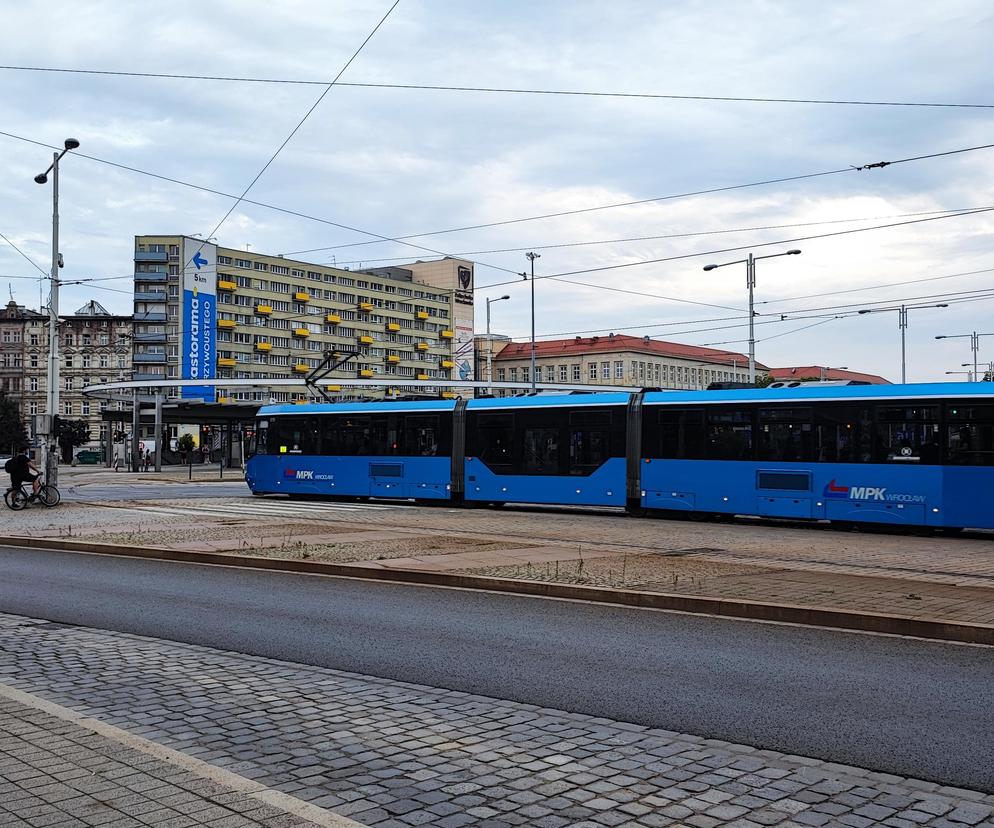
{"x": 762, "y": 380}
{"x": 12, "y": 434}
{"x": 70, "y": 434}
{"x": 186, "y": 445}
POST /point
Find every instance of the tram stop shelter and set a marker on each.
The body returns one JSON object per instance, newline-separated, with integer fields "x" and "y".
{"x": 227, "y": 423}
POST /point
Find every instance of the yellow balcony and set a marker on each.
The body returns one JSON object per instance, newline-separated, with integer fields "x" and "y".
{"x": 365, "y": 340}
{"x": 333, "y": 319}
{"x": 224, "y": 400}
{"x": 301, "y": 296}
{"x": 446, "y": 334}
{"x": 333, "y": 388}
{"x": 393, "y": 358}
{"x": 303, "y": 332}
{"x": 300, "y": 402}
{"x": 449, "y": 395}
{"x": 264, "y": 310}
{"x": 226, "y": 362}
{"x": 226, "y": 323}
{"x": 224, "y": 284}
{"x": 393, "y": 327}
{"x": 302, "y": 368}
{"x": 422, "y": 314}
{"x": 366, "y": 306}
{"x": 422, "y": 346}
{"x": 365, "y": 372}
{"x": 447, "y": 363}
{"x": 263, "y": 346}
{"x": 422, "y": 376}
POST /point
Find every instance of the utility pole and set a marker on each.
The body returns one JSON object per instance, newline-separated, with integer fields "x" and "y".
{"x": 532, "y": 257}
{"x": 52, "y": 382}
{"x": 902, "y": 323}
{"x": 490, "y": 344}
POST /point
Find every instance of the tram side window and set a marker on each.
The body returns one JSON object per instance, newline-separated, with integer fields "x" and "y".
{"x": 490, "y": 437}
{"x": 785, "y": 434}
{"x": 593, "y": 438}
{"x": 908, "y": 434}
{"x": 970, "y": 435}
{"x": 293, "y": 435}
{"x": 347, "y": 435}
{"x": 843, "y": 434}
{"x": 679, "y": 434}
{"x": 730, "y": 435}
{"x": 421, "y": 435}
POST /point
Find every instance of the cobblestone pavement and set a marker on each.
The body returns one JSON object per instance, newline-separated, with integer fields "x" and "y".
{"x": 392, "y": 754}
{"x": 58, "y": 774}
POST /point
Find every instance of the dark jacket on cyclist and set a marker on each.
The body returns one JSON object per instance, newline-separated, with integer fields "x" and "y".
{"x": 21, "y": 470}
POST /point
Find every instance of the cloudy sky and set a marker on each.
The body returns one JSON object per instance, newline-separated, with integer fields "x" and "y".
{"x": 400, "y": 162}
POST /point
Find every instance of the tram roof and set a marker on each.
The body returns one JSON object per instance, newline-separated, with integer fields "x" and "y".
{"x": 813, "y": 392}
{"x": 358, "y": 407}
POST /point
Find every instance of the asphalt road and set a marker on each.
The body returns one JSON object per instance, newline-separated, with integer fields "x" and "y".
{"x": 909, "y": 707}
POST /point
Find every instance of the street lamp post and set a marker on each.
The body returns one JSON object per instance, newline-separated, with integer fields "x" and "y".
{"x": 969, "y": 374}
{"x": 750, "y": 263}
{"x": 531, "y": 258}
{"x": 490, "y": 344}
{"x": 974, "y": 345}
{"x": 52, "y": 385}
{"x": 902, "y": 323}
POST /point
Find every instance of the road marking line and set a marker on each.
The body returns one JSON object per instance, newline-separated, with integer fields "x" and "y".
{"x": 251, "y": 789}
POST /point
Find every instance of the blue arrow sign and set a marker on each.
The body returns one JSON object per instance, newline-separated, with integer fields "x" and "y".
{"x": 199, "y": 260}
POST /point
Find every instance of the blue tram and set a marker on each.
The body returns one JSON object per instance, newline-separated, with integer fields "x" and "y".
{"x": 917, "y": 455}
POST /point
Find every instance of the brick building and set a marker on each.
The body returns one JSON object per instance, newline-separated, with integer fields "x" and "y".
{"x": 823, "y": 373}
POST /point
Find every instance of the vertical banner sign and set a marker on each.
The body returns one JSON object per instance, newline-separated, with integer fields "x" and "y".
{"x": 462, "y": 320}
{"x": 198, "y": 355}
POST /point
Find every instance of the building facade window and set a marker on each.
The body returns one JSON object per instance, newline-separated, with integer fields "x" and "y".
{"x": 592, "y": 371}
{"x": 576, "y": 373}
{"x": 619, "y": 369}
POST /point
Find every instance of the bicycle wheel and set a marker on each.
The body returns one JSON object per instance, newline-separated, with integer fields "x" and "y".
{"x": 16, "y": 499}
{"x": 49, "y": 495}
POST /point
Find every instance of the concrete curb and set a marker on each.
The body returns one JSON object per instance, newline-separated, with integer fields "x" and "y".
{"x": 695, "y": 604}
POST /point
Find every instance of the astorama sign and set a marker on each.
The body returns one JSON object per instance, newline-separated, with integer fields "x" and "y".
{"x": 198, "y": 356}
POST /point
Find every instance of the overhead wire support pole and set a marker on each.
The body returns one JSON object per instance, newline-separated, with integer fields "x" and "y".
{"x": 531, "y": 258}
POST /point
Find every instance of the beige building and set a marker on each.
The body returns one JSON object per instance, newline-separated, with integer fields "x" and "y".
{"x": 14, "y": 320}
{"x": 94, "y": 347}
{"x": 615, "y": 359}
{"x": 203, "y": 311}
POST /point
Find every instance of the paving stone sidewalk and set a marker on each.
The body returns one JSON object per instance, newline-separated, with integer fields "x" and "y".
{"x": 58, "y": 774}
{"x": 395, "y": 755}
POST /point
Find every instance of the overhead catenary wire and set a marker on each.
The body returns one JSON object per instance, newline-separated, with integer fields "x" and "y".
{"x": 300, "y": 123}
{"x": 686, "y": 235}
{"x": 709, "y": 191}
{"x": 603, "y": 268}
{"x": 501, "y": 90}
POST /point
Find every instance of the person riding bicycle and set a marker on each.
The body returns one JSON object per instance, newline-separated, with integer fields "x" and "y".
{"x": 23, "y": 470}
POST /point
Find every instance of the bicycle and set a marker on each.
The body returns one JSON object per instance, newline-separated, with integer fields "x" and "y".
{"x": 17, "y": 498}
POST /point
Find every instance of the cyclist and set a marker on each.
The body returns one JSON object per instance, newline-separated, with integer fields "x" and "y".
{"x": 23, "y": 470}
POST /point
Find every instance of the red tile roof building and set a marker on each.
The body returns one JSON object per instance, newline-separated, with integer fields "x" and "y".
{"x": 618, "y": 359}
{"x": 820, "y": 372}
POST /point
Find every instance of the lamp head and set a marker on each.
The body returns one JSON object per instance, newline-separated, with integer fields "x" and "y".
{"x": 71, "y": 144}
{"x": 505, "y": 296}
{"x": 942, "y": 306}
{"x": 864, "y": 311}
{"x": 793, "y": 252}
{"x": 710, "y": 266}
{"x": 41, "y": 178}
{"x": 941, "y": 337}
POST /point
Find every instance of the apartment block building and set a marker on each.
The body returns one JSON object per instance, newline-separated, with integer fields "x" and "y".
{"x": 14, "y": 334}
{"x": 94, "y": 347}
{"x": 617, "y": 359}
{"x": 202, "y": 311}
